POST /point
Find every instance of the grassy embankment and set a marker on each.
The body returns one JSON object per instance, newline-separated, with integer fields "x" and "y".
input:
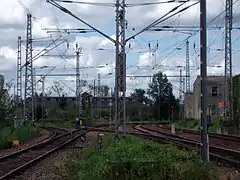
{"x": 132, "y": 158}
{"x": 23, "y": 134}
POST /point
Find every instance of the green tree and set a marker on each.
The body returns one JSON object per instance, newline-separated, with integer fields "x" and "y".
{"x": 7, "y": 109}
{"x": 63, "y": 102}
{"x": 39, "y": 112}
{"x": 161, "y": 93}
{"x": 103, "y": 90}
{"x": 139, "y": 101}
{"x": 139, "y": 95}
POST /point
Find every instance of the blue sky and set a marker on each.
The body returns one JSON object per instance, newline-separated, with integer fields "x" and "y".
{"x": 170, "y": 53}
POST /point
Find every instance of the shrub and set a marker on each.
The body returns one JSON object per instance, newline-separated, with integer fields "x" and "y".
{"x": 132, "y": 158}
{"x": 22, "y": 134}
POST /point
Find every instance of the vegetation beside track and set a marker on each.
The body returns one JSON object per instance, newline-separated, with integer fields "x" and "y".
{"x": 61, "y": 124}
{"x": 193, "y": 124}
{"x": 70, "y": 123}
{"x": 138, "y": 159}
{"x": 23, "y": 134}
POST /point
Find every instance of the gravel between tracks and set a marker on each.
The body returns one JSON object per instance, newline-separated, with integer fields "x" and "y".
{"x": 44, "y": 134}
{"x": 52, "y": 168}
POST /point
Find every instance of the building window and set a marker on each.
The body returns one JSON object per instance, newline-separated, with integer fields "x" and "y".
{"x": 214, "y": 91}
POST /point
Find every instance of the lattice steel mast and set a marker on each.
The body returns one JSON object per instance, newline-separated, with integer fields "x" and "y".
{"x": 228, "y": 61}
{"x": 29, "y": 89}
{"x": 120, "y": 81}
{"x": 99, "y": 95}
{"x": 187, "y": 68}
{"x": 78, "y": 89}
{"x": 180, "y": 95}
{"x": 19, "y": 81}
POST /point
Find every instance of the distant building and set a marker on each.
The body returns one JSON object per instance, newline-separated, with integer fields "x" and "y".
{"x": 215, "y": 98}
{"x": 94, "y": 102}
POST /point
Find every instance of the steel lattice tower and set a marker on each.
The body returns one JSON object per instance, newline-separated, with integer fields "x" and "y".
{"x": 19, "y": 81}
{"x": 120, "y": 81}
{"x": 78, "y": 88}
{"x": 99, "y": 94}
{"x": 180, "y": 95}
{"x": 228, "y": 61}
{"x": 34, "y": 91}
{"x": 99, "y": 85}
{"x": 29, "y": 86}
{"x": 187, "y": 68}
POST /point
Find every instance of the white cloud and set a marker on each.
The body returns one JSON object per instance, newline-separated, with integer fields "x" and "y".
{"x": 13, "y": 24}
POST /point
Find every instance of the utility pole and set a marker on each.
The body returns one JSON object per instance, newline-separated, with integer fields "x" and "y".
{"x": 99, "y": 95}
{"x": 180, "y": 96}
{"x": 34, "y": 92}
{"x": 183, "y": 98}
{"x": 29, "y": 89}
{"x": 78, "y": 89}
{"x": 43, "y": 96}
{"x": 94, "y": 88}
{"x": 187, "y": 68}
{"x": 228, "y": 62}
{"x": 203, "y": 73}
{"x": 19, "y": 82}
{"x": 110, "y": 108}
{"x": 120, "y": 81}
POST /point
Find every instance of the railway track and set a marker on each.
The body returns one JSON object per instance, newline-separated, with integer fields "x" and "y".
{"x": 213, "y": 135}
{"x": 55, "y": 131}
{"x": 230, "y": 142}
{"x": 229, "y": 156}
{"x": 13, "y": 163}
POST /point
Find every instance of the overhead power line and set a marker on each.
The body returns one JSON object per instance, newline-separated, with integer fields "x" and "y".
{"x": 126, "y": 5}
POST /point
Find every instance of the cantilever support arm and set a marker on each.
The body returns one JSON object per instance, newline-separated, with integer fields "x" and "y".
{"x": 163, "y": 18}
{"x": 48, "y": 50}
{"x": 79, "y": 19}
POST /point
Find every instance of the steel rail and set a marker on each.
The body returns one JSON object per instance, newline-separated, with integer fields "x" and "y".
{"x": 229, "y": 156}
{"x": 214, "y": 135}
{"x": 34, "y": 154}
{"x": 55, "y": 135}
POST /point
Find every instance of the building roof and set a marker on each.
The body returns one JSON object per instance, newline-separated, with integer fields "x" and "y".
{"x": 208, "y": 78}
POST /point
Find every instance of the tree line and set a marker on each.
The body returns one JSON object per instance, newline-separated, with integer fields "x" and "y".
{"x": 157, "y": 102}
